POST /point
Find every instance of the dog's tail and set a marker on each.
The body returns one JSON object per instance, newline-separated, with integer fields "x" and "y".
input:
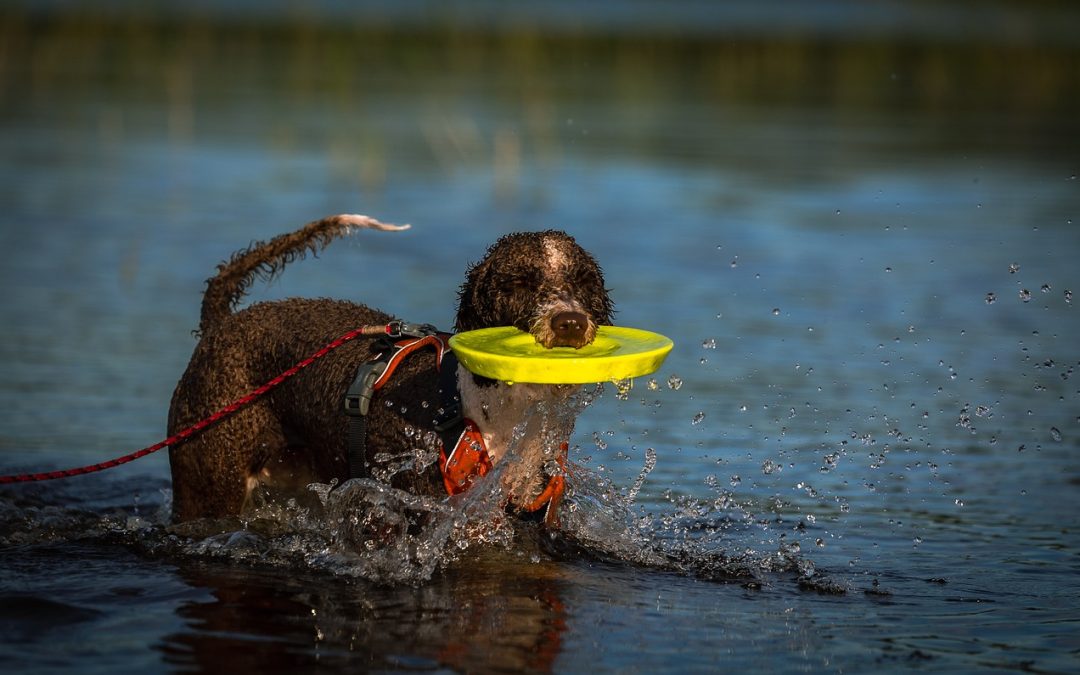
{"x": 265, "y": 260}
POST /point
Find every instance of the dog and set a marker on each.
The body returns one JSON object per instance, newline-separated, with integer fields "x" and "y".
{"x": 543, "y": 283}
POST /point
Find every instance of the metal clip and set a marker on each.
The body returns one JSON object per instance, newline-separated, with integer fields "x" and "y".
{"x": 399, "y": 329}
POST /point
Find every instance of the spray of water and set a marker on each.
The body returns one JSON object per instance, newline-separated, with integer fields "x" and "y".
{"x": 366, "y": 529}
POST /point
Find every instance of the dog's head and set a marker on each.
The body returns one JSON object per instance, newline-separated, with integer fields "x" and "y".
{"x": 540, "y": 282}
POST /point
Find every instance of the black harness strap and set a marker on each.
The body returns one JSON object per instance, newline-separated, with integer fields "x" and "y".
{"x": 357, "y": 404}
{"x": 370, "y": 376}
{"x": 450, "y": 423}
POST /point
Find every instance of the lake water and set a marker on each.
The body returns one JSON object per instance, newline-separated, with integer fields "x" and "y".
{"x": 859, "y": 227}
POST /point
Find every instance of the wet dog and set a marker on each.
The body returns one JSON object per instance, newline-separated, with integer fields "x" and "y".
{"x": 541, "y": 282}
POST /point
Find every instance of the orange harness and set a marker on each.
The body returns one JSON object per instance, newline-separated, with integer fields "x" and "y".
{"x": 468, "y": 458}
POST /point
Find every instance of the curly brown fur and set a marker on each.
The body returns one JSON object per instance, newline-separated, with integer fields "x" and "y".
{"x": 526, "y": 279}
{"x": 297, "y": 433}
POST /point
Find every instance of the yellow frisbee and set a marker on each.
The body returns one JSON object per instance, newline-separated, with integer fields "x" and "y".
{"x": 512, "y": 355}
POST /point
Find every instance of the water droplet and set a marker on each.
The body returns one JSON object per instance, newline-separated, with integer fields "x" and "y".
{"x": 1014, "y": 268}
{"x": 990, "y": 298}
{"x": 742, "y": 408}
{"x": 674, "y": 382}
{"x": 776, "y": 311}
{"x": 697, "y": 418}
{"x": 820, "y": 542}
{"x": 653, "y": 385}
{"x": 623, "y": 388}
{"x": 769, "y": 467}
{"x": 1055, "y": 433}
{"x": 1068, "y": 296}
{"x": 888, "y": 269}
{"x": 958, "y": 501}
{"x": 735, "y": 480}
{"x": 1025, "y": 295}
{"x": 734, "y": 262}
{"x": 1045, "y": 288}
{"x": 709, "y": 344}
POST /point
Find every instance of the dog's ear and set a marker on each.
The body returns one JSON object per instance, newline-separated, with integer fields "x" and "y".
{"x": 490, "y": 297}
{"x": 601, "y": 307}
{"x": 470, "y": 303}
{"x": 588, "y": 279}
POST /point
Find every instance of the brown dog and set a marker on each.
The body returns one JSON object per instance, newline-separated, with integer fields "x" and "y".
{"x": 540, "y": 282}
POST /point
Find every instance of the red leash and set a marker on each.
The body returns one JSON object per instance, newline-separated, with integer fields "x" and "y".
{"x": 389, "y": 329}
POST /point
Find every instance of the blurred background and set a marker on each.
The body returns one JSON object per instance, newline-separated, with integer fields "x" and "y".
{"x": 342, "y": 101}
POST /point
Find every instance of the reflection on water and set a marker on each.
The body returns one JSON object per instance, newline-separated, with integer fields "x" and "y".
{"x": 491, "y": 611}
{"x": 857, "y": 225}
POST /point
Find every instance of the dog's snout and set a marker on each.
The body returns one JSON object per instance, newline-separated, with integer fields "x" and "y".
{"x": 569, "y": 328}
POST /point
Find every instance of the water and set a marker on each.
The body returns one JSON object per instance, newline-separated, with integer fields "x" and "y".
{"x": 861, "y": 455}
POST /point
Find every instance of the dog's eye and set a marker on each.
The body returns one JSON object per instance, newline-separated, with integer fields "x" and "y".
{"x": 521, "y": 283}
{"x": 587, "y": 279}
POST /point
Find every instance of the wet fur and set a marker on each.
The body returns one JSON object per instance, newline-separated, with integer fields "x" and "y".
{"x": 297, "y": 434}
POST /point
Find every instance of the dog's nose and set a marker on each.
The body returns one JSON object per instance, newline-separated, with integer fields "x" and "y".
{"x": 569, "y": 329}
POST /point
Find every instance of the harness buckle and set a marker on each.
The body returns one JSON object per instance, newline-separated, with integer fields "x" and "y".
{"x": 358, "y": 398}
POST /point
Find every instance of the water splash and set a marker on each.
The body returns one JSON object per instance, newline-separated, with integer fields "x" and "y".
{"x": 368, "y": 530}
{"x": 650, "y": 464}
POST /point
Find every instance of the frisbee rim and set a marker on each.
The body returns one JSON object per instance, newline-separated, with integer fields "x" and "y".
{"x": 512, "y": 355}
